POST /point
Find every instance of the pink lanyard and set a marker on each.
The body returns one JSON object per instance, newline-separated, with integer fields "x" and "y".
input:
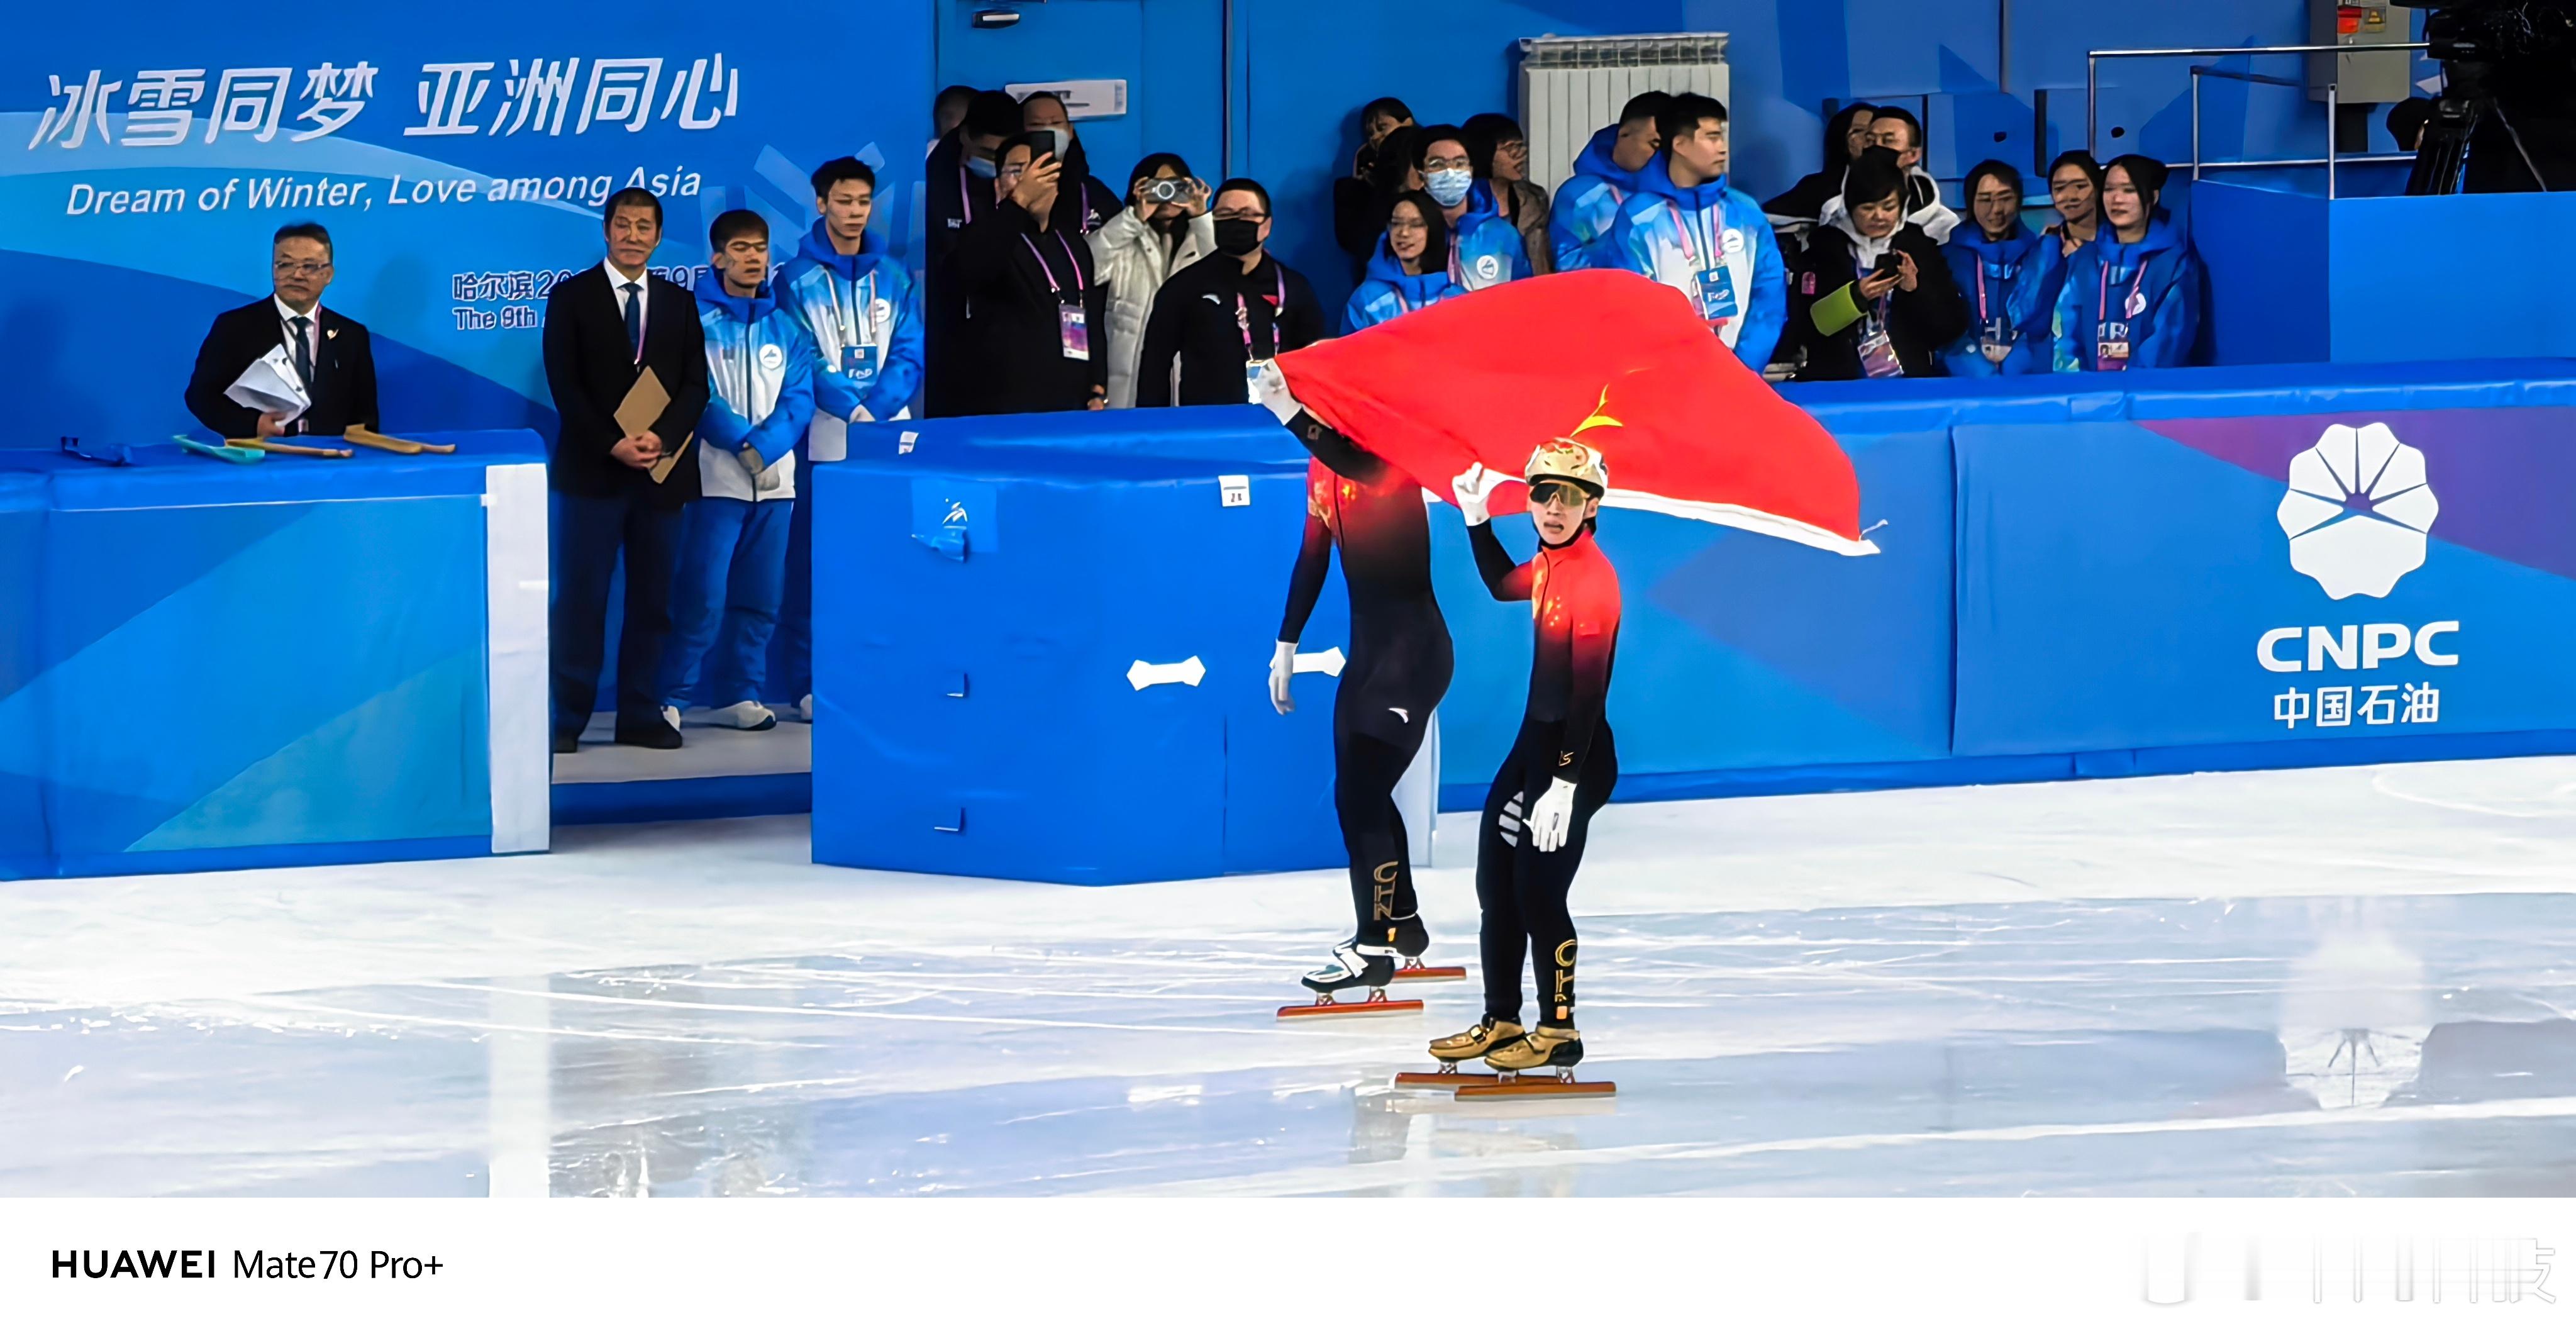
{"x": 1981, "y": 290}
{"x": 965, "y": 196}
{"x": 1690, "y": 253}
{"x": 2136, "y": 284}
{"x": 1243, "y": 314}
{"x": 1079, "y": 286}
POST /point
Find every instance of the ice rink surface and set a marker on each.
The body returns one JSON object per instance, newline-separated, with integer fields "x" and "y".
{"x": 2338, "y": 981}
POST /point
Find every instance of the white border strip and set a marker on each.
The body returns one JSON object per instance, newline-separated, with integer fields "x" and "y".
{"x": 517, "y": 677}
{"x": 1738, "y": 516}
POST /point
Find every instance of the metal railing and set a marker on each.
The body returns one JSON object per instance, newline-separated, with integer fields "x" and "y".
{"x": 2092, "y": 99}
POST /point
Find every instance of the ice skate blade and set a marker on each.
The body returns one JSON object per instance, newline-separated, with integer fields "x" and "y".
{"x": 1527, "y": 1087}
{"x": 1426, "y": 974}
{"x": 1444, "y": 1079}
{"x": 1384, "y": 1007}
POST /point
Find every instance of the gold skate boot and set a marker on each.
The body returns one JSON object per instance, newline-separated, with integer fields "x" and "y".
{"x": 1546, "y": 1047}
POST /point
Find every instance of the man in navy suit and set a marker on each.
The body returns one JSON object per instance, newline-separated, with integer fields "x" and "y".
{"x": 604, "y": 327}
{"x": 330, "y": 351}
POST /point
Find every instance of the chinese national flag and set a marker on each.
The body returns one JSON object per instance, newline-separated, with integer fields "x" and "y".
{"x": 1609, "y": 359}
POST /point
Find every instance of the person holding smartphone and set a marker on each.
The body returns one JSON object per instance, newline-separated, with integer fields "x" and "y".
{"x": 1039, "y": 309}
{"x": 1872, "y": 297}
{"x": 1164, "y": 228}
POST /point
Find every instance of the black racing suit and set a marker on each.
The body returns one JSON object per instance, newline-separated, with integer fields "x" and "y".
{"x": 1574, "y": 612}
{"x": 1399, "y": 660}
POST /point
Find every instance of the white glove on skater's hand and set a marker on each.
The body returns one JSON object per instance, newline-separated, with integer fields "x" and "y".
{"x": 1283, "y": 667}
{"x": 1472, "y": 488}
{"x": 1552, "y": 815}
{"x": 1273, "y": 387}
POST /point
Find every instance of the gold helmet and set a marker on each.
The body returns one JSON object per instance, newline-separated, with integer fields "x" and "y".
{"x": 1566, "y": 460}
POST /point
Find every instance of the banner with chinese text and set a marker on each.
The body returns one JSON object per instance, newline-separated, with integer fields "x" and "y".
{"x": 459, "y": 157}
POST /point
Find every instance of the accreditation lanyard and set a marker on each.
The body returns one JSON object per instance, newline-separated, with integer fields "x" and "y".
{"x": 965, "y": 194}
{"x": 1243, "y": 314}
{"x": 1079, "y": 286}
{"x": 2135, "y": 304}
{"x": 1707, "y": 233}
{"x": 853, "y": 320}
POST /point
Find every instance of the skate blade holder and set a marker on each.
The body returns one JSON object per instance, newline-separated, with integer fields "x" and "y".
{"x": 1414, "y": 972}
{"x": 1539, "y": 1084}
{"x": 1376, "y": 1005}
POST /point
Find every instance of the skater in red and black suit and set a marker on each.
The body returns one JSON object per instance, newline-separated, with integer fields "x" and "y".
{"x": 1561, "y": 768}
{"x": 1399, "y": 667}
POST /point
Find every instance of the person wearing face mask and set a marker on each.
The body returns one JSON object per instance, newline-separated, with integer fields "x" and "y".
{"x": 1040, "y": 311}
{"x": 1562, "y": 766}
{"x": 1360, "y": 199}
{"x": 1215, "y": 320}
{"x": 1502, "y": 171}
{"x": 2007, "y": 278}
{"x": 959, "y": 192}
{"x": 1846, "y": 133}
{"x": 1873, "y": 298}
{"x": 1687, "y": 228}
{"x": 1484, "y": 249}
{"x": 1164, "y": 228}
{"x": 1410, "y": 270}
{"x": 1083, "y": 203}
{"x": 2075, "y": 191}
{"x": 1605, "y": 174}
{"x": 2132, "y": 298}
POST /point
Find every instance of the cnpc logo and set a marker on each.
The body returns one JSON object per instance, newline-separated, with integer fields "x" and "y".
{"x": 2355, "y": 646}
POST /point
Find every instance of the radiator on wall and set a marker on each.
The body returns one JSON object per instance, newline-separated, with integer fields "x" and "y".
{"x": 1572, "y": 86}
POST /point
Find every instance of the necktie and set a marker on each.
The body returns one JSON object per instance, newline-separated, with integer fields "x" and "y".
{"x": 635, "y": 319}
{"x": 304, "y": 353}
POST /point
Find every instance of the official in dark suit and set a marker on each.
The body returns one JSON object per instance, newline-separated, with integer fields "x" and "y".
{"x": 330, "y": 351}
{"x": 604, "y": 327}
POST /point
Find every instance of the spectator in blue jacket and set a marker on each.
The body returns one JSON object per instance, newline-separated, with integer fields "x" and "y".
{"x": 861, "y": 314}
{"x": 1605, "y": 174}
{"x": 1410, "y": 269}
{"x": 733, "y": 541}
{"x": 2132, "y": 297}
{"x": 2008, "y": 279}
{"x": 1687, "y": 228}
{"x": 1485, "y": 249}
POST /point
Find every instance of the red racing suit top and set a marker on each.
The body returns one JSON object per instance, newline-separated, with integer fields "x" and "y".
{"x": 1574, "y": 614}
{"x": 1376, "y": 513}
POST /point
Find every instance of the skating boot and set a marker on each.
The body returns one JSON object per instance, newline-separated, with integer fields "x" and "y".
{"x": 1521, "y": 1067}
{"x": 1355, "y": 965}
{"x": 1451, "y": 1050}
{"x": 1410, "y": 940}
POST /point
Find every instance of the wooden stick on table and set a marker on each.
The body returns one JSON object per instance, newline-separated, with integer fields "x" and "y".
{"x": 359, "y": 434}
{"x": 297, "y": 450}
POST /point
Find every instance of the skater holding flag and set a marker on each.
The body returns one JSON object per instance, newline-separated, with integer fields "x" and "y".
{"x": 1457, "y": 399}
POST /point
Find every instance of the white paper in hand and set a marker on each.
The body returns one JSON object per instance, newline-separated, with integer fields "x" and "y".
{"x": 270, "y": 384}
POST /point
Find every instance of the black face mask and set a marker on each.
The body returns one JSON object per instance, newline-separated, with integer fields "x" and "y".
{"x": 1237, "y": 236}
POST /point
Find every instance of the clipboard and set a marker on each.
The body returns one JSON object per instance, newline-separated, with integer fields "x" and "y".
{"x": 644, "y": 404}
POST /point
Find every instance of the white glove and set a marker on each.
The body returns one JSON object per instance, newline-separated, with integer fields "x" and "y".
{"x": 1273, "y": 388}
{"x": 1472, "y": 488}
{"x": 1283, "y": 667}
{"x": 1552, "y": 815}
{"x": 860, "y": 415}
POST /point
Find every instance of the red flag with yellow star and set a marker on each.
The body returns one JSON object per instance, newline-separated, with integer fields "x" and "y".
{"x": 1609, "y": 359}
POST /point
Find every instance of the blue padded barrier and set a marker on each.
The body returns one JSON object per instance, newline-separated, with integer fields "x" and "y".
{"x": 211, "y": 665}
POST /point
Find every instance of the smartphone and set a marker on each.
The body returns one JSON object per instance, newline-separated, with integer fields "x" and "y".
{"x": 1887, "y": 263}
{"x": 1055, "y": 137}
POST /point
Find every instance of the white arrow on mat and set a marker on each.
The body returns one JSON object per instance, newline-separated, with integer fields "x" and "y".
{"x": 1146, "y": 674}
{"x": 1326, "y": 662}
